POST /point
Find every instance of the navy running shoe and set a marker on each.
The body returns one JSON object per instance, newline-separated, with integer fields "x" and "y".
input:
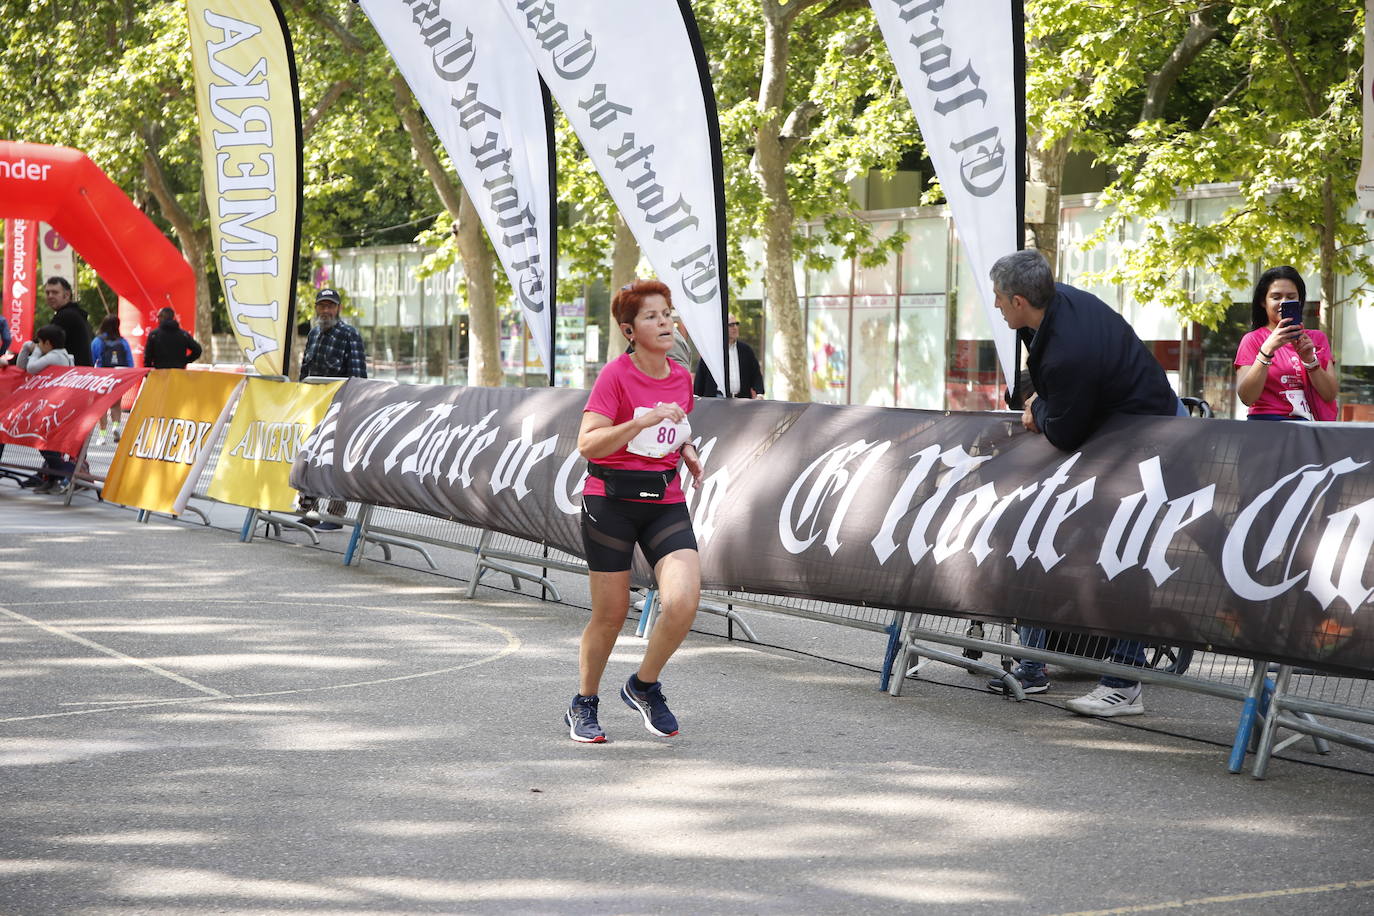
{"x": 1031, "y": 681}
{"x": 653, "y": 706}
{"x": 581, "y": 720}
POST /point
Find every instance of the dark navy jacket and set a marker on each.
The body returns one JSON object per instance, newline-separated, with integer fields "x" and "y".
{"x": 1086, "y": 363}
{"x": 71, "y": 318}
{"x": 751, "y": 376}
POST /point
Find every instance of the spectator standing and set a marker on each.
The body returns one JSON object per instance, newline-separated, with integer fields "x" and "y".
{"x": 1283, "y": 371}
{"x": 1086, "y": 364}
{"x": 46, "y": 349}
{"x": 71, "y": 318}
{"x": 168, "y": 345}
{"x": 110, "y": 350}
{"x": 5, "y": 341}
{"x": 746, "y": 377}
{"x": 333, "y": 349}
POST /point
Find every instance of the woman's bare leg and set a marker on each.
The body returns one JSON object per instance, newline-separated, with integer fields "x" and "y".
{"x": 610, "y": 604}
{"x": 679, "y": 594}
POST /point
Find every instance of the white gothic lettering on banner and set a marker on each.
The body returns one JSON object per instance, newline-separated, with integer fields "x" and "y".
{"x": 243, "y": 133}
{"x": 958, "y": 65}
{"x": 819, "y": 502}
{"x": 466, "y": 66}
{"x": 652, "y": 140}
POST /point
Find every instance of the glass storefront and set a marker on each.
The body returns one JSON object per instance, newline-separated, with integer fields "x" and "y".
{"x": 415, "y": 329}
{"x": 911, "y": 332}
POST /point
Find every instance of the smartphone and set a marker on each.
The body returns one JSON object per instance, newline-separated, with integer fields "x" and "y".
{"x": 1291, "y": 308}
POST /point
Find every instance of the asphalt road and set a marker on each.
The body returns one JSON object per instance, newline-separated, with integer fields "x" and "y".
{"x": 193, "y": 725}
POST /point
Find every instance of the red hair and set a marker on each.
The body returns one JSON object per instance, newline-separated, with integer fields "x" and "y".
{"x": 630, "y": 298}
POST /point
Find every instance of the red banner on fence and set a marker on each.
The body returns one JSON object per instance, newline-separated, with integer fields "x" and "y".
{"x": 11, "y": 377}
{"x": 21, "y": 278}
{"x": 57, "y": 408}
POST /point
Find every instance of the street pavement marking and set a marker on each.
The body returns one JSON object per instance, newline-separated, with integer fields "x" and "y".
{"x": 512, "y": 645}
{"x": 1229, "y": 898}
{"x": 114, "y": 653}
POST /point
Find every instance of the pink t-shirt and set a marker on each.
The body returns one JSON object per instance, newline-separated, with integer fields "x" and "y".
{"x": 619, "y": 389}
{"x": 1285, "y": 388}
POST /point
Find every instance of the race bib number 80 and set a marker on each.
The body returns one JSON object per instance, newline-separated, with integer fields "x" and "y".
{"x": 660, "y": 440}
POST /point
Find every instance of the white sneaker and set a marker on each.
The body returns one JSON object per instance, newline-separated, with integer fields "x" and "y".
{"x": 1108, "y": 701}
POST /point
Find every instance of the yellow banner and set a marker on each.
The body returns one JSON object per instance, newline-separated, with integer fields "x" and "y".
{"x": 167, "y": 438}
{"x": 250, "y": 153}
{"x": 270, "y": 425}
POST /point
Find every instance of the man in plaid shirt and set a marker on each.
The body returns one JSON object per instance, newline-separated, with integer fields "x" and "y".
{"x": 334, "y": 349}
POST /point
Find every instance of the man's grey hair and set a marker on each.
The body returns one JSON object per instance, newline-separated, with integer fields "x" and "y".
{"x": 1027, "y": 274}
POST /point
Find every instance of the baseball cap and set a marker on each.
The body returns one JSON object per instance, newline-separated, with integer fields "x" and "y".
{"x": 328, "y": 295}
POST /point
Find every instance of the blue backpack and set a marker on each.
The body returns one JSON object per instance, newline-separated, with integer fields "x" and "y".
{"x": 112, "y": 353}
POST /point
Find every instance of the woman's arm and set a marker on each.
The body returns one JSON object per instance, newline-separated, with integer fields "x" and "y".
{"x": 1323, "y": 378}
{"x": 693, "y": 461}
{"x": 1251, "y": 372}
{"x": 1250, "y": 382}
{"x": 600, "y": 436}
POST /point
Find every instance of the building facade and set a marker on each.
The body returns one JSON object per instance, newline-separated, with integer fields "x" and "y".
{"x": 909, "y": 333}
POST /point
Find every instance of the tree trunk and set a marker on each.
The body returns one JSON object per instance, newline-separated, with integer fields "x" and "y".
{"x": 1047, "y": 167}
{"x": 479, "y": 262}
{"x": 788, "y": 336}
{"x": 1315, "y": 105}
{"x": 624, "y": 263}
{"x": 197, "y": 251}
{"x": 335, "y": 92}
{"x": 1161, "y": 83}
{"x": 195, "y": 243}
{"x": 1328, "y": 260}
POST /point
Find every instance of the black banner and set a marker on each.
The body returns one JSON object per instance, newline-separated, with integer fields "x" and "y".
{"x": 1248, "y": 538}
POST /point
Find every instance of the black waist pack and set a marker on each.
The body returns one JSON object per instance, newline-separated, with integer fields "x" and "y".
{"x": 623, "y": 484}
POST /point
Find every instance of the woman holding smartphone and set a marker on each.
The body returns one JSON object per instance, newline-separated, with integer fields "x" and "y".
{"x": 634, "y": 432}
{"x": 1283, "y": 371}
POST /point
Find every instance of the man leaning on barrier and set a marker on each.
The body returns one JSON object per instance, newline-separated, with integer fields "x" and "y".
{"x": 1085, "y": 364}
{"x": 333, "y": 349}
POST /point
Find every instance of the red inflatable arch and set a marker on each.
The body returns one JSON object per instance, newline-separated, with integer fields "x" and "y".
{"x": 69, "y": 192}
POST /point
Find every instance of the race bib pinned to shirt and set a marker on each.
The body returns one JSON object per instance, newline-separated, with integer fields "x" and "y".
{"x": 658, "y": 441}
{"x": 1298, "y": 398}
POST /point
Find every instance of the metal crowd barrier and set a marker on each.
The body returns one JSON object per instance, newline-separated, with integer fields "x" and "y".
{"x": 1265, "y": 704}
{"x": 20, "y": 462}
{"x": 1272, "y": 698}
{"x": 913, "y": 638}
{"x": 1298, "y": 701}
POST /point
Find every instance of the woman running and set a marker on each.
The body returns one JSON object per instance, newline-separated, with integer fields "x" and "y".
{"x": 634, "y": 430}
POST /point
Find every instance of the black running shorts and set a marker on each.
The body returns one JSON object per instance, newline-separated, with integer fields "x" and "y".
{"x": 612, "y": 527}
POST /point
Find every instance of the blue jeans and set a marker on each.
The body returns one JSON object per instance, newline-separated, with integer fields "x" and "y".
{"x": 54, "y": 465}
{"x": 1032, "y": 638}
{"x": 1122, "y": 651}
